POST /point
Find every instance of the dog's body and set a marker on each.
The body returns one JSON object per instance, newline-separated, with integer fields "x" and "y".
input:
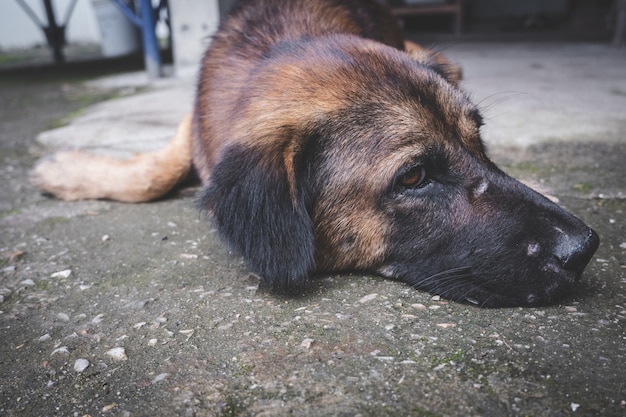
{"x": 325, "y": 143}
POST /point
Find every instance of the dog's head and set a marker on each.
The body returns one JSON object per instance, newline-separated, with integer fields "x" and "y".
{"x": 349, "y": 155}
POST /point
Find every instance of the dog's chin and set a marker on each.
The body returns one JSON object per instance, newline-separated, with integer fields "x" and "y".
{"x": 490, "y": 299}
{"x": 463, "y": 286}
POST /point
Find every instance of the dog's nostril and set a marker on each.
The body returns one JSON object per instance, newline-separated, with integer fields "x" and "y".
{"x": 574, "y": 252}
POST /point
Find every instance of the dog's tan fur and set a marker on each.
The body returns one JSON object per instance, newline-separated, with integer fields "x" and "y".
{"x": 324, "y": 142}
{"x": 75, "y": 175}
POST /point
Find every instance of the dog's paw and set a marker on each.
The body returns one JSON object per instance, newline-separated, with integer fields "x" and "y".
{"x": 61, "y": 175}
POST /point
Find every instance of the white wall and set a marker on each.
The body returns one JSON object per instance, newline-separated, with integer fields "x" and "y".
{"x": 17, "y": 30}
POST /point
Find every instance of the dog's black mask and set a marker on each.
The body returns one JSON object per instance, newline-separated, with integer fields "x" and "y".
{"x": 487, "y": 239}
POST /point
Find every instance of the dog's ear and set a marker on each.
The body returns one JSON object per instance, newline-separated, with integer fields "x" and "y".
{"x": 435, "y": 60}
{"x": 261, "y": 211}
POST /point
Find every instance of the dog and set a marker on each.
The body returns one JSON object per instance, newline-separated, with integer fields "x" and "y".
{"x": 326, "y": 143}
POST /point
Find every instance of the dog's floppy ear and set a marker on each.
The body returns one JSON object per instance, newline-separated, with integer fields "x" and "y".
{"x": 261, "y": 212}
{"x": 435, "y": 60}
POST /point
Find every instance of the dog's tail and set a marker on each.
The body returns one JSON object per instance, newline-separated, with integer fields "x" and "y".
{"x": 76, "y": 175}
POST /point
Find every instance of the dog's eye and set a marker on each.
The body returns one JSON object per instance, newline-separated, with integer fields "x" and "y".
{"x": 415, "y": 177}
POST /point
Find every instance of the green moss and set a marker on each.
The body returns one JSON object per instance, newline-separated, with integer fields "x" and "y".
{"x": 243, "y": 370}
{"x": 526, "y": 167}
{"x": 231, "y": 407}
{"x": 458, "y": 356}
{"x": 9, "y": 58}
{"x": 65, "y": 120}
{"x": 83, "y": 101}
{"x": 582, "y": 187}
{"x": 10, "y": 213}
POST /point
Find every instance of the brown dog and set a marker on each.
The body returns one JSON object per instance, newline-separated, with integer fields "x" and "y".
{"x": 324, "y": 143}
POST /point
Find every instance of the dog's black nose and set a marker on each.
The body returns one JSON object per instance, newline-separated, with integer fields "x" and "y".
{"x": 575, "y": 252}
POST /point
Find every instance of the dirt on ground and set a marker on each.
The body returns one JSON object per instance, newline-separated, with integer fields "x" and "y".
{"x": 115, "y": 309}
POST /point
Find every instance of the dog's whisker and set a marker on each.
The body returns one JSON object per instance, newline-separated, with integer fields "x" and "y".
{"x": 497, "y": 98}
{"x": 445, "y": 282}
{"x": 454, "y": 282}
{"x": 486, "y": 105}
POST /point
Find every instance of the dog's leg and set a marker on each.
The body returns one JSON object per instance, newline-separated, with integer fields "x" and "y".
{"x": 76, "y": 175}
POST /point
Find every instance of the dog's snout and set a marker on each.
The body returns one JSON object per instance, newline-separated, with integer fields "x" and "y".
{"x": 575, "y": 251}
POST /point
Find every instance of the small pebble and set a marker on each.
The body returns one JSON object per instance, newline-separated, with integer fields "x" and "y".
{"x": 81, "y": 364}
{"x": 574, "y": 406}
{"x": 187, "y": 333}
{"x": 160, "y": 377}
{"x": 306, "y": 343}
{"x": 63, "y": 317}
{"x": 62, "y": 349}
{"x": 97, "y": 319}
{"x": 28, "y": 283}
{"x": 418, "y": 306}
{"x": 45, "y": 337}
{"x": 117, "y": 354}
{"x": 367, "y": 298}
{"x": 62, "y": 274}
{"x": 105, "y": 238}
{"x": 109, "y": 407}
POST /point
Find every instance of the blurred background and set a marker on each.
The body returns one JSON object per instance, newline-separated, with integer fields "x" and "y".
{"x": 35, "y": 33}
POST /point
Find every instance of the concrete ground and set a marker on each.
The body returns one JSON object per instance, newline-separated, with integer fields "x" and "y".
{"x": 138, "y": 310}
